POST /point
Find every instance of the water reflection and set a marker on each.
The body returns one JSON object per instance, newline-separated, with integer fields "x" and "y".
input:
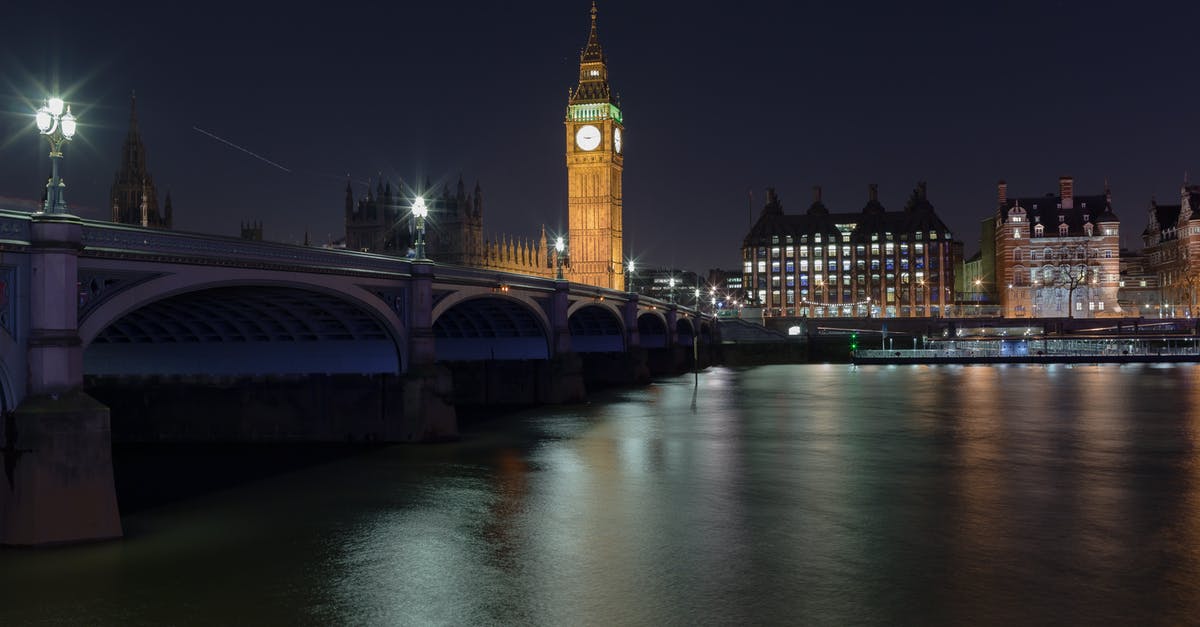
{"x": 791, "y": 494}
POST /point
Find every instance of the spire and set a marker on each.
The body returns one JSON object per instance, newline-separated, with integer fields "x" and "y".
{"x": 132, "y": 111}
{"x": 593, "y": 70}
{"x": 592, "y": 51}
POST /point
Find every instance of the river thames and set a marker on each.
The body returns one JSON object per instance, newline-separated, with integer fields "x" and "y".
{"x": 799, "y": 494}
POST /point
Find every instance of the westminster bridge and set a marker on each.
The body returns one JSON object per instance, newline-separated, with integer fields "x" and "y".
{"x": 207, "y": 338}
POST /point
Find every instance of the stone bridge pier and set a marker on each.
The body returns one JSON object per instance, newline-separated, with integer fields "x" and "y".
{"x": 58, "y": 477}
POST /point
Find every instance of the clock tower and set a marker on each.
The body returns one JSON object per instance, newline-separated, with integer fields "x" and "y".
{"x": 595, "y": 159}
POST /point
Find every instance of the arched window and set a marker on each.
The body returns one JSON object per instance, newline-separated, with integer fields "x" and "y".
{"x": 1039, "y": 230}
{"x": 1019, "y": 275}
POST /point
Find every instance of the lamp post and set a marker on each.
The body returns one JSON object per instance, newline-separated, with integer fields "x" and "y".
{"x": 59, "y": 128}
{"x": 629, "y": 268}
{"x": 671, "y": 284}
{"x": 978, "y": 283}
{"x": 421, "y": 212}
{"x": 924, "y": 303}
{"x": 560, "y": 245}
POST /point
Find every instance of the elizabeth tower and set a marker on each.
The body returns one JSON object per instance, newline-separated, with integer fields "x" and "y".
{"x": 594, "y": 164}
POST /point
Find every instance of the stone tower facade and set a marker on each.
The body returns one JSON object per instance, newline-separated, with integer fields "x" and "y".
{"x": 595, "y": 160}
{"x": 133, "y": 197}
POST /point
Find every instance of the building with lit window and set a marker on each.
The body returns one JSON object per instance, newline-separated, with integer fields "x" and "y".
{"x": 667, "y": 284}
{"x": 1138, "y": 290}
{"x": 869, "y": 263}
{"x": 1171, "y": 247}
{"x": 1057, "y": 256}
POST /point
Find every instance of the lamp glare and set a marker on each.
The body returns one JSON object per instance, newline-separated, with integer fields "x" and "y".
{"x": 55, "y": 105}
{"x": 68, "y": 124}
{"x": 43, "y": 120}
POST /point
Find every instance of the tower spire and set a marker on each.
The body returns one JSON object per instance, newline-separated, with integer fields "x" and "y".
{"x": 593, "y": 69}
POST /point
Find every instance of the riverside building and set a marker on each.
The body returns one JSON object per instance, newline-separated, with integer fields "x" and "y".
{"x": 1057, "y": 256}
{"x": 868, "y": 263}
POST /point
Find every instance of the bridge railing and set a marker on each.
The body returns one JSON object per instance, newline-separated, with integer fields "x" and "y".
{"x": 103, "y": 238}
{"x": 14, "y": 227}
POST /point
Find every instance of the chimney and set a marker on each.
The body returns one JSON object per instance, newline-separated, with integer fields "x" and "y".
{"x": 873, "y": 194}
{"x": 1066, "y": 191}
{"x": 1001, "y": 193}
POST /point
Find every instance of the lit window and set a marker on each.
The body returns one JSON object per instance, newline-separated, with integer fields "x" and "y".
{"x": 594, "y": 73}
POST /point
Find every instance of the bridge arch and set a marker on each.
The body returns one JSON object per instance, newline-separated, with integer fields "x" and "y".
{"x": 652, "y": 329}
{"x": 485, "y": 325}
{"x": 685, "y": 331}
{"x": 596, "y": 328}
{"x": 248, "y": 323}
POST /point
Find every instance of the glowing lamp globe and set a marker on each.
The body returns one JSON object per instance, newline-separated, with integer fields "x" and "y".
{"x": 559, "y": 244}
{"x": 419, "y": 209}
{"x": 68, "y": 124}
{"x": 44, "y": 120}
{"x": 55, "y": 105}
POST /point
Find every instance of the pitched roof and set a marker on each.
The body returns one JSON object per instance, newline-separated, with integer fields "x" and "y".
{"x": 920, "y": 216}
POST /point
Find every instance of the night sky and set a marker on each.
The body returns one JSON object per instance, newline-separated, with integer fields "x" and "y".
{"x": 719, "y": 99}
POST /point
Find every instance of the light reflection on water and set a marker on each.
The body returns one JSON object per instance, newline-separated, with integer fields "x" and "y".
{"x": 820, "y": 494}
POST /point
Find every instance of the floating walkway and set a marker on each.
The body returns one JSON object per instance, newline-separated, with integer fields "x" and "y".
{"x": 1041, "y": 350}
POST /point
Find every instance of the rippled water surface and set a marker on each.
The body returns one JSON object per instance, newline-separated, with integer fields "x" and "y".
{"x": 815, "y": 494}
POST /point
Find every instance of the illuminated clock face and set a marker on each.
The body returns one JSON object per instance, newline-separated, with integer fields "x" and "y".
{"x": 617, "y": 139}
{"x": 587, "y": 137}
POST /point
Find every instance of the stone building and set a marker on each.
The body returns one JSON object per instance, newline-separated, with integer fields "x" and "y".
{"x": 133, "y": 196}
{"x": 381, "y": 222}
{"x": 869, "y": 263}
{"x": 1171, "y": 247}
{"x": 1057, "y": 256}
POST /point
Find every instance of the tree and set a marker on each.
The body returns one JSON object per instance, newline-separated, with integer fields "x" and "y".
{"x": 1077, "y": 271}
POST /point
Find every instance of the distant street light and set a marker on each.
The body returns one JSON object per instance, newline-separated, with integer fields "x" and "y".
{"x": 58, "y": 128}
{"x": 421, "y": 212}
{"x": 671, "y": 283}
{"x": 560, "y": 245}
{"x": 629, "y": 268}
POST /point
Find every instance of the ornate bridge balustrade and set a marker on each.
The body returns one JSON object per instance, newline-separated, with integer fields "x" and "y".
{"x": 198, "y": 337}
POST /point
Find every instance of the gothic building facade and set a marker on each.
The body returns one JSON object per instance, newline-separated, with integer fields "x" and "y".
{"x": 381, "y": 221}
{"x": 133, "y": 196}
{"x": 1171, "y": 243}
{"x": 595, "y": 162}
{"x": 1057, "y": 256}
{"x": 870, "y": 263}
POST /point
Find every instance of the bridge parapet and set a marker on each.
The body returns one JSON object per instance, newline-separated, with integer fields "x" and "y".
{"x": 102, "y": 239}
{"x": 14, "y": 228}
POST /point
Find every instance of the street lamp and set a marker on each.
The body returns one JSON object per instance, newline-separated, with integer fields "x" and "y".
{"x": 559, "y": 246}
{"x": 671, "y": 283}
{"x": 978, "y": 283}
{"x": 421, "y": 212}
{"x": 58, "y": 128}
{"x": 629, "y": 267}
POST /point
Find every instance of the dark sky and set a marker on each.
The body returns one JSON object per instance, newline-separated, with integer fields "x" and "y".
{"x": 719, "y": 98}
